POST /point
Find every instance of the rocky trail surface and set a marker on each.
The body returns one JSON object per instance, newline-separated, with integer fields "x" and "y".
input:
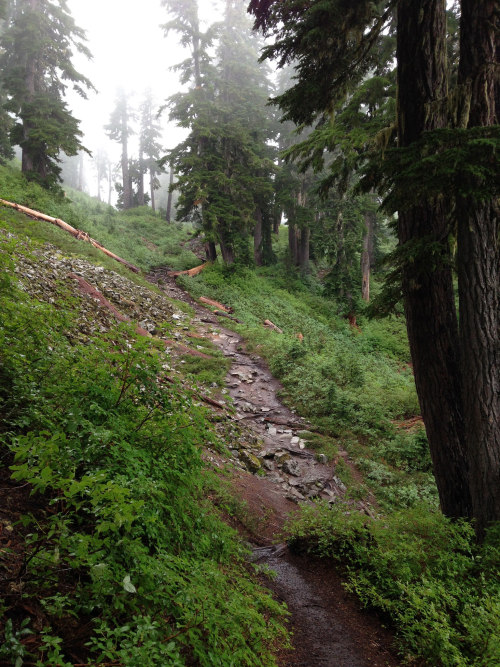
{"x": 276, "y": 472}
{"x": 272, "y": 469}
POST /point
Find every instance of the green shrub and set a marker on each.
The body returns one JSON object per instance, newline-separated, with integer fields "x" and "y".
{"x": 125, "y": 537}
{"x": 440, "y": 589}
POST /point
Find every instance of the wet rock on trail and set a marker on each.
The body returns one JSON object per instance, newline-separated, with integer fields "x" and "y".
{"x": 277, "y": 472}
{"x": 273, "y": 471}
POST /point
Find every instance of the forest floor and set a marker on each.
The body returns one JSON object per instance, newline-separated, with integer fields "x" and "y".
{"x": 329, "y": 629}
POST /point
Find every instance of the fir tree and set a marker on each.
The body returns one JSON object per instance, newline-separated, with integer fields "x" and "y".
{"x": 478, "y": 242}
{"x": 119, "y": 129}
{"x": 224, "y": 166}
{"x": 6, "y": 122}
{"x": 150, "y": 148}
{"x": 100, "y": 163}
{"x": 432, "y": 170}
{"x": 193, "y": 110}
{"x": 39, "y": 39}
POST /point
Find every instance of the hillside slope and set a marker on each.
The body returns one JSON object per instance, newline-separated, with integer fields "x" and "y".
{"x": 112, "y": 549}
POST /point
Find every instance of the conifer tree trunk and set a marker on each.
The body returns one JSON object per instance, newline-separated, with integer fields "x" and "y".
{"x": 27, "y": 162}
{"x": 292, "y": 243}
{"x": 170, "y": 194}
{"x": 257, "y": 237}
{"x": 367, "y": 256}
{"x": 227, "y": 251}
{"x": 152, "y": 176}
{"x": 303, "y": 249}
{"x": 210, "y": 251}
{"x": 479, "y": 273}
{"x": 427, "y": 281}
{"x": 268, "y": 256}
{"x": 110, "y": 181}
{"x": 140, "y": 185}
{"x": 127, "y": 185}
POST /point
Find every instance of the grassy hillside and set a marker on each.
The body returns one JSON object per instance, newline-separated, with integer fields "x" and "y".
{"x": 112, "y": 547}
{"x": 121, "y": 518}
{"x": 139, "y": 235}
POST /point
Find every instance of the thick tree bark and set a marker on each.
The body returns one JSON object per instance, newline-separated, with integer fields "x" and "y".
{"x": 227, "y": 251}
{"x": 292, "y": 243}
{"x": 367, "y": 256}
{"x": 479, "y": 275}
{"x": 427, "y": 280}
{"x": 258, "y": 237}
{"x": 303, "y": 248}
{"x": 170, "y": 194}
{"x": 268, "y": 256}
{"x": 211, "y": 251}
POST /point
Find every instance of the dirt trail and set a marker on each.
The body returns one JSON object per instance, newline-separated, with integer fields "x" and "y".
{"x": 329, "y": 629}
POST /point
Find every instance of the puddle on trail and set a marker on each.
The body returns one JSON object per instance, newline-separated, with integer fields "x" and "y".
{"x": 328, "y": 630}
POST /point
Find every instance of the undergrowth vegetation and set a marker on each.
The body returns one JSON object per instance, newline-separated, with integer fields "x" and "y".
{"x": 119, "y": 555}
{"x": 120, "y": 542}
{"x": 139, "y": 235}
{"x": 426, "y": 574}
{"x": 438, "y": 589}
{"x": 354, "y": 383}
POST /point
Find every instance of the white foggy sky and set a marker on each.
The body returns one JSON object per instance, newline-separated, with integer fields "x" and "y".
{"x": 129, "y": 50}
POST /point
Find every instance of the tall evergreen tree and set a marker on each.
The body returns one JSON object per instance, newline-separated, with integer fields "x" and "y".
{"x": 224, "y": 166}
{"x": 243, "y": 133}
{"x": 333, "y": 44}
{"x": 100, "y": 163}
{"x": 478, "y": 241}
{"x": 192, "y": 110}
{"x": 150, "y": 148}
{"x": 39, "y": 40}
{"x": 119, "y": 129}
{"x": 6, "y": 122}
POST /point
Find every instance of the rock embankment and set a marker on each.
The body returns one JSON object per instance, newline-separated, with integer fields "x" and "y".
{"x": 268, "y": 440}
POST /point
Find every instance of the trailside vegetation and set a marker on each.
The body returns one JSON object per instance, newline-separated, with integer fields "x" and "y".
{"x": 334, "y": 47}
{"x": 118, "y": 553}
{"x": 355, "y": 385}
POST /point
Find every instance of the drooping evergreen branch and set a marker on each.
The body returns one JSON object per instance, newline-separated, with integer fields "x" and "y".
{"x": 457, "y": 163}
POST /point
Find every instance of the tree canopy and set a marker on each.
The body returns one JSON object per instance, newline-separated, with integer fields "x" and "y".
{"x": 334, "y": 46}
{"x": 39, "y": 40}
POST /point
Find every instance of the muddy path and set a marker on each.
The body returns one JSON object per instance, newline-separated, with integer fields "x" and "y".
{"x": 329, "y": 629}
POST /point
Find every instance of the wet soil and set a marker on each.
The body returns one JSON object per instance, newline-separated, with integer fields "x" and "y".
{"x": 329, "y": 628}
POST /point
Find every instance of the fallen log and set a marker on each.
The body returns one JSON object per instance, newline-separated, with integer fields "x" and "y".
{"x": 216, "y": 304}
{"x": 229, "y": 317}
{"x": 77, "y": 233}
{"x": 87, "y": 288}
{"x": 190, "y": 272}
{"x": 270, "y": 325}
{"x": 211, "y": 401}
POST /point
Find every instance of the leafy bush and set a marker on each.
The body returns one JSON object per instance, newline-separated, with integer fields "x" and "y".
{"x": 440, "y": 589}
{"x": 124, "y": 536}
